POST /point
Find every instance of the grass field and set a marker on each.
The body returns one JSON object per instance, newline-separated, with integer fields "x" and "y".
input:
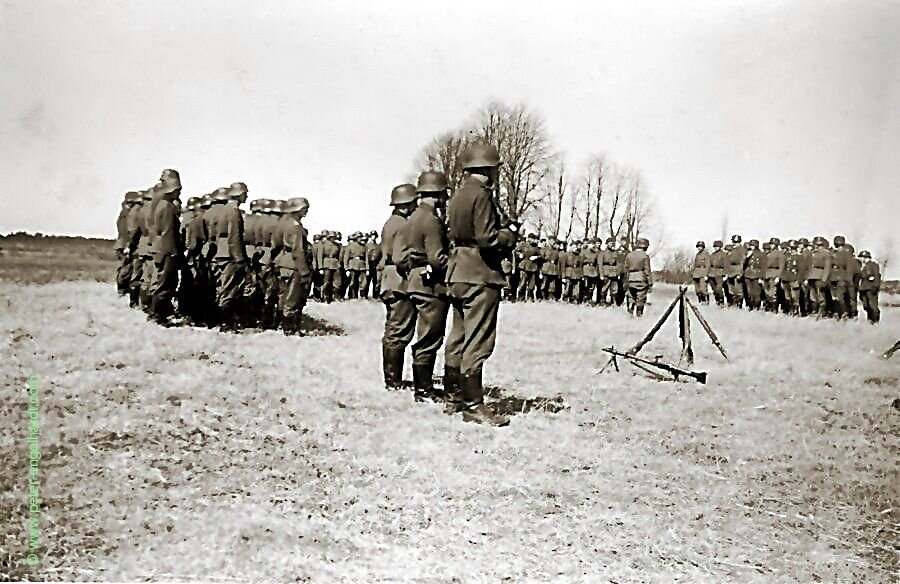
{"x": 181, "y": 454}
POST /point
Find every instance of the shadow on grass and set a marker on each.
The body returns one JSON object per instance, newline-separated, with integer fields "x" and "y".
{"x": 504, "y": 403}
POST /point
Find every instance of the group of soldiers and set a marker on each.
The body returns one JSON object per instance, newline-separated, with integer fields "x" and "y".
{"x": 798, "y": 277}
{"x": 591, "y": 271}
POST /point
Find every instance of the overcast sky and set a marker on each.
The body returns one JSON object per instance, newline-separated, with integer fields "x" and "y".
{"x": 781, "y": 117}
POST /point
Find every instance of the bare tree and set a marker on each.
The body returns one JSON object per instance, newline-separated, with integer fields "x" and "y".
{"x": 443, "y": 153}
{"x": 594, "y": 185}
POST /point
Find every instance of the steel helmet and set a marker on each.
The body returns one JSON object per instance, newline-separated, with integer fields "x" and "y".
{"x": 148, "y": 194}
{"x": 256, "y": 204}
{"x": 192, "y": 203}
{"x": 169, "y": 181}
{"x": 480, "y": 154}
{"x": 642, "y": 243}
{"x": 132, "y": 197}
{"x": 839, "y": 240}
{"x": 775, "y": 241}
{"x": 432, "y": 181}
{"x": 717, "y": 243}
{"x": 403, "y": 194}
{"x": 295, "y": 205}
{"x": 700, "y": 244}
{"x": 237, "y": 190}
{"x": 865, "y": 254}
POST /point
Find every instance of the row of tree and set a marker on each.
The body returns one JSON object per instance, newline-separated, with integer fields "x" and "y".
{"x": 599, "y": 200}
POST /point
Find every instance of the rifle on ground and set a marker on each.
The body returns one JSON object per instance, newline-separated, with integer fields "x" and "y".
{"x": 890, "y": 352}
{"x": 675, "y": 370}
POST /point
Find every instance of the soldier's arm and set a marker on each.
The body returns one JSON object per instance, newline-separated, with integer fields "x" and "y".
{"x": 434, "y": 246}
{"x": 647, "y": 270}
{"x": 484, "y": 223}
{"x": 236, "y": 236}
{"x": 299, "y": 251}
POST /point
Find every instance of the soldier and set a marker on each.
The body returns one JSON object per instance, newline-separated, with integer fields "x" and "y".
{"x": 853, "y": 276}
{"x": 734, "y": 271}
{"x": 591, "y": 271}
{"x": 475, "y": 279}
{"x": 269, "y": 273}
{"x": 355, "y": 264}
{"x": 818, "y": 276}
{"x": 141, "y": 267}
{"x": 716, "y": 275}
{"x": 528, "y": 254}
{"x": 790, "y": 277}
{"x": 423, "y": 261}
{"x": 574, "y": 273}
{"x": 373, "y": 260}
{"x": 839, "y": 278}
{"x": 168, "y": 247}
{"x": 550, "y": 269}
{"x": 328, "y": 261}
{"x": 613, "y": 271}
{"x": 339, "y": 285}
{"x": 123, "y": 272}
{"x": 293, "y": 259}
{"x": 804, "y": 250}
{"x": 400, "y": 316}
{"x": 869, "y": 285}
{"x": 700, "y": 273}
{"x": 252, "y": 301}
{"x": 774, "y": 268}
{"x": 229, "y": 264}
{"x": 639, "y": 276}
{"x": 754, "y": 271}
{"x": 134, "y": 220}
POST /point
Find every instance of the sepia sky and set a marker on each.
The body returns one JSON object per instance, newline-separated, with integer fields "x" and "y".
{"x": 775, "y": 117}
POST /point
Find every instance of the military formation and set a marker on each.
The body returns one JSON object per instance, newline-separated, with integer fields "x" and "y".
{"x": 800, "y": 277}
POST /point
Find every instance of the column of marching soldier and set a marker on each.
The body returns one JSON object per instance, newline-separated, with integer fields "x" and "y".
{"x": 797, "y": 277}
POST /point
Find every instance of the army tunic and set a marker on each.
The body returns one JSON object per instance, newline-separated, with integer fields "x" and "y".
{"x": 529, "y": 256}
{"x": 229, "y": 264}
{"x": 774, "y": 266}
{"x": 550, "y": 271}
{"x": 373, "y": 259}
{"x": 123, "y": 272}
{"x": 734, "y": 274}
{"x": 328, "y": 261}
{"x": 400, "y": 322}
{"x": 293, "y": 265}
{"x": 869, "y": 286}
{"x": 838, "y": 281}
{"x": 700, "y": 274}
{"x": 474, "y": 278}
{"x": 716, "y": 276}
{"x": 168, "y": 250}
{"x": 613, "y": 270}
{"x": 639, "y": 279}
{"x": 355, "y": 265}
{"x": 591, "y": 273}
{"x": 754, "y": 270}
{"x": 790, "y": 281}
{"x": 819, "y": 273}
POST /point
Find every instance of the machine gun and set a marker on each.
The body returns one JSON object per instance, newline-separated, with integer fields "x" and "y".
{"x": 675, "y": 370}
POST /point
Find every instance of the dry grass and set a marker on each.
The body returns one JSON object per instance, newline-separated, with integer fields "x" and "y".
{"x": 26, "y": 259}
{"x": 178, "y": 454}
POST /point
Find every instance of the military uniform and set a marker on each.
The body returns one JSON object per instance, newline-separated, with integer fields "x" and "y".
{"x": 574, "y": 272}
{"x": 229, "y": 264}
{"x": 790, "y": 276}
{"x": 839, "y": 279}
{"x": 168, "y": 248}
{"x": 550, "y": 271}
{"x": 754, "y": 271}
{"x": 142, "y": 265}
{"x": 716, "y": 273}
{"x": 639, "y": 278}
{"x": 123, "y": 272}
{"x": 529, "y": 255}
{"x": 700, "y": 273}
{"x": 613, "y": 272}
{"x": 356, "y": 265}
{"x": 774, "y": 267}
{"x": 292, "y": 263}
{"x": 328, "y": 261}
{"x": 869, "y": 285}
{"x": 818, "y": 277}
{"x": 373, "y": 260}
{"x": 591, "y": 272}
{"x": 734, "y": 273}
{"x": 195, "y": 298}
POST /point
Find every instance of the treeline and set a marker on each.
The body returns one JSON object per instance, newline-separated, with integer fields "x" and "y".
{"x": 599, "y": 199}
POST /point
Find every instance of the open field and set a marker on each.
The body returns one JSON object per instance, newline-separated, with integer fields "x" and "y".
{"x": 188, "y": 453}
{"x": 29, "y": 259}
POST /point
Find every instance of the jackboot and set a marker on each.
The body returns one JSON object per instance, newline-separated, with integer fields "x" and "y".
{"x": 453, "y": 399}
{"x": 392, "y": 366}
{"x": 475, "y": 409}
{"x": 423, "y": 382}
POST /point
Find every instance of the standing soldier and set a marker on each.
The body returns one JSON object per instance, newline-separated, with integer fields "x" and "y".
{"x": 853, "y": 276}
{"x": 754, "y": 271}
{"x": 141, "y": 268}
{"x": 700, "y": 273}
{"x": 328, "y": 261}
{"x": 355, "y": 263}
{"x": 123, "y": 272}
{"x": 269, "y": 274}
{"x": 734, "y": 271}
{"x": 293, "y": 263}
{"x": 774, "y": 268}
{"x": 252, "y": 297}
{"x": 423, "y": 260}
{"x": 869, "y": 285}
{"x": 612, "y": 273}
{"x": 135, "y": 217}
{"x": 591, "y": 271}
{"x": 399, "y": 321}
{"x": 229, "y": 265}
{"x": 529, "y": 256}
{"x": 192, "y": 299}
{"x": 790, "y": 278}
{"x": 475, "y": 279}
{"x": 574, "y": 272}
{"x": 839, "y": 278}
{"x": 550, "y": 269}
{"x": 639, "y": 276}
{"x": 340, "y": 282}
{"x": 804, "y": 250}
{"x": 716, "y": 276}
{"x": 373, "y": 260}
{"x": 168, "y": 247}
{"x": 819, "y": 276}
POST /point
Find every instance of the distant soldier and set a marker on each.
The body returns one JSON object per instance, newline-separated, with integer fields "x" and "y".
{"x": 355, "y": 264}
{"x": 612, "y": 274}
{"x": 574, "y": 272}
{"x": 252, "y": 301}
{"x": 373, "y": 260}
{"x": 142, "y": 257}
{"x": 168, "y": 247}
{"x": 550, "y": 269}
{"x": 400, "y": 316}
{"x": 474, "y": 278}
{"x": 229, "y": 264}
{"x": 754, "y": 271}
{"x": 853, "y": 277}
{"x": 340, "y": 282}
{"x": 639, "y": 276}
{"x": 529, "y": 255}
{"x": 591, "y": 271}
{"x": 716, "y": 277}
{"x": 700, "y": 273}
{"x": 869, "y": 285}
{"x": 124, "y": 227}
{"x": 790, "y": 278}
{"x": 819, "y": 276}
{"x": 774, "y": 268}
{"x": 290, "y": 239}
{"x": 269, "y": 273}
{"x": 804, "y": 251}
{"x": 423, "y": 261}
{"x": 328, "y": 260}
{"x": 839, "y": 278}
{"x": 734, "y": 271}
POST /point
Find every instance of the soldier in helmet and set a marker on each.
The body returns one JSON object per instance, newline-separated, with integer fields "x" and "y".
{"x": 423, "y": 262}
{"x": 294, "y": 256}
{"x": 123, "y": 248}
{"x": 839, "y": 278}
{"x": 574, "y": 272}
{"x": 754, "y": 271}
{"x": 869, "y": 285}
{"x": 638, "y": 276}
{"x": 168, "y": 247}
{"x": 550, "y": 269}
{"x": 734, "y": 271}
{"x": 716, "y": 272}
{"x": 229, "y": 264}
{"x": 612, "y": 267}
{"x": 774, "y": 268}
{"x": 790, "y": 278}
{"x": 475, "y": 280}
{"x": 529, "y": 255}
{"x": 328, "y": 260}
{"x": 373, "y": 259}
{"x": 590, "y": 270}
{"x": 853, "y": 277}
{"x": 269, "y": 274}
{"x": 141, "y": 267}
{"x": 355, "y": 264}
{"x": 700, "y": 273}
{"x": 818, "y": 276}
{"x": 804, "y": 252}
{"x": 400, "y": 316}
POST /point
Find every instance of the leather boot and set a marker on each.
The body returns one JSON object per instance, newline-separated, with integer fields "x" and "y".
{"x": 476, "y": 410}
{"x": 392, "y": 366}
{"x": 423, "y": 382}
{"x": 453, "y": 400}
{"x": 288, "y": 325}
